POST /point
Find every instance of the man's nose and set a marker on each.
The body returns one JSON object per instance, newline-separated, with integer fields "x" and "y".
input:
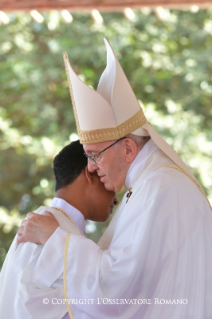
{"x": 92, "y": 167}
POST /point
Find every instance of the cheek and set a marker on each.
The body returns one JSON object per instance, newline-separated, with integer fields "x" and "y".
{"x": 113, "y": 167}
{"x": 105, "y": 196}
{"x": 115, "y": 171}
{"x": 109, "y": 170}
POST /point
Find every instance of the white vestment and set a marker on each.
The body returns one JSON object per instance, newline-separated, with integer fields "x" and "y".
{"x": 155, "y": 258}
{"x": 22, "y": 258}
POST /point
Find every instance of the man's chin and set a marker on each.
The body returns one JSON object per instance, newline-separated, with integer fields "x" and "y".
{"x": 109, "y": 187}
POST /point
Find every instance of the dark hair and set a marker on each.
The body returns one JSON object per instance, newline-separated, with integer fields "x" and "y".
{"x": 68, "y": 164}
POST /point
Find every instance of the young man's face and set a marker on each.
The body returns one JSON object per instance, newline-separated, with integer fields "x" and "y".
{"x": 103, "y": 201}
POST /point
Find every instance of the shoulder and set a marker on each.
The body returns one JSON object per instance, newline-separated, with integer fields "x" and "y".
{"x": 168, "y": 186}
{"x": 42, "y": 209}
{"x": 171, "y": 178}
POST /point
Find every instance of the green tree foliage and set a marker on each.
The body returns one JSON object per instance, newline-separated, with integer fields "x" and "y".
{"x": 168, "y": 63}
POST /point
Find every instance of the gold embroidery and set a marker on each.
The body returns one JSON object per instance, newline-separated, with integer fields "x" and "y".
{"x": 66, "y": 61}
{"x": 191, "y": 178}
{"x": 64, "y": 213}
{"x": 107, "y": 134}
{"x": 64, "y": 277}
{"x": 132, "y": 124}
{"x": 99, "y": 135}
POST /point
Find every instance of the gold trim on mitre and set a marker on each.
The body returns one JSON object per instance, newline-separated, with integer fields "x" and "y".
{"x": 109, "y": 134}
{"x": 132, "y": 124}
{"x": 104, "y": 134}
{"x": 66, "y": 61}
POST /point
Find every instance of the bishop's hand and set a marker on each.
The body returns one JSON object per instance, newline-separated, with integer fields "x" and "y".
{"x": 37, "y": 228}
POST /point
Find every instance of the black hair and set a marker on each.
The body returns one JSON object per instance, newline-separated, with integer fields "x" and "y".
{"x": 68, "y": 164}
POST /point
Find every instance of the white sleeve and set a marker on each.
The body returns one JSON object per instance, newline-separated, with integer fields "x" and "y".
{"x": 41, "y": 286}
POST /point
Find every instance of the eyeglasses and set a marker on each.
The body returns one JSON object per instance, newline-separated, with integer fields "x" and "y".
{"x": 93, "y": 157}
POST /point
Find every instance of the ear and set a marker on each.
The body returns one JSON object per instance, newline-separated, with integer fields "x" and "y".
{"x": 88, "y": 176}
{"x": 131, "y": 150}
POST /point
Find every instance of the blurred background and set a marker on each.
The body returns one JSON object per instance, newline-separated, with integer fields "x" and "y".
{"x": 166, "y": 54}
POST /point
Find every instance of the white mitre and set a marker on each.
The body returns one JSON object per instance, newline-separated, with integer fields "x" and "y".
{"x": 112, "y": 111}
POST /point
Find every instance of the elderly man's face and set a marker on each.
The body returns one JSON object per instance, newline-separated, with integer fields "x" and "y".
{"x": 110, "y": 165}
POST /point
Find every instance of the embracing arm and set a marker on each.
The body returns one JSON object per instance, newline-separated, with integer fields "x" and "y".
{"x": 37, "y": 228}
{"x": 42, "y": 278}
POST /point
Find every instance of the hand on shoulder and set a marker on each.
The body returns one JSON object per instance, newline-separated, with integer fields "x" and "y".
{"x": 37, "y": 228}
